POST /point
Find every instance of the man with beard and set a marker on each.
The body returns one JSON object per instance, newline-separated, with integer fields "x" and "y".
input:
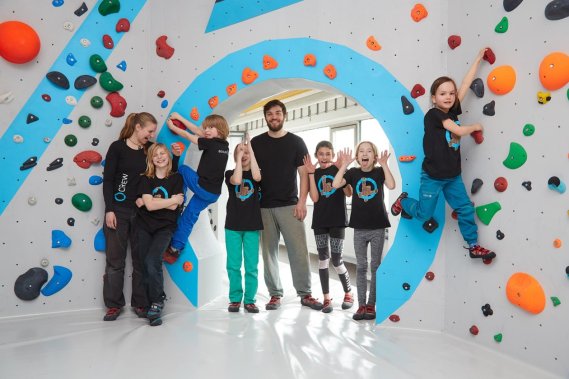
{"x": 280, "y": 156}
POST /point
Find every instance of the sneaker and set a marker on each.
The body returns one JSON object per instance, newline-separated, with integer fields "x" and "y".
{"x": 327, "y": 306}
{"x": 112, "y": 314}
{"x": 348, "y": 301}
{"x": 478, "y": 251}
{"x": 154, "y": 314}
{"x": 171, "y": 255}
{"x": 360, "y": 313}
{"x": 251, "y": 308}
{"x": 309, "y": 301}
{"x": 397, "y": 208}
{"x": 234, "y": 307}
{"x": 370, "y": 312}
{"x": 140, "y": 311}
{"x": 274, "y": 303}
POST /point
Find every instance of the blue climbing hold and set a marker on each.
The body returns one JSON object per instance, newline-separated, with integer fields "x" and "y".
{"x": 122, "y": 66}
{"x": 164, "y": 104}
{"x": 71, "y": 59}
{"x": 95, "y": 180}
{"x": 59, "y": 239}
{"x": 57, "y": 3}
{"x": 100, "y": 242}
{"x": 61, "y": 277}
{"x": 555, "y": 184}
{"x": 67, "y": 121}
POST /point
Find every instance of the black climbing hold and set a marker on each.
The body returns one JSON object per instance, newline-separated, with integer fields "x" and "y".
{"x": 59, "y": 79}
{"x": 527, "y": 185}
{"x": 55, "y": 164}
{"x": 430, "y": 225}
{"x": 477, "y": 87}
{"x": 29, "y": 163}
{"x": 81, "y": 10}
{"x": 95, "y": 142}
{"x": 407, "y": 106}
{"x": 58, "y": 200}
{"x": 554, "y": 181}
{"x": 500, "y": 235}
{"x": 84, "y": 81}
{"x": 567, "y": 270}
{"x": 31, "y": 118}
{"x": 476, "y": 184}
{"x": 406, "y": 286}
{"x": 28, "y": 285}
{"x": 488, "y": 109}
{"x": 71, "y": 221}
{"x": 510, "y": 5}
{"x": 557, "y": 10}
{"x": 487, "y": 310}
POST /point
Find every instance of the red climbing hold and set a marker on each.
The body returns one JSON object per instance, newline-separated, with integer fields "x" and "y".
{"x": 454, "y": 41}
{"x": 310, "y": 60}
{"x": 108, "y": 42}
{"x": 118, "y": 104}
{"x": 164, "y": 50}
{"x": 430, "y": 275}
{"x": 269, "y": 63}
{"x": 86, "y": 158}
{"x": 478, "y": 136}
{"x": 179, "y": 124}
{"x": 474, "y": 330}
{"x": 213, "y": 102}
{"x": 231, "y": 89}
{"x": 248, "y": 76}
{"x": 417, "y": 90}
{"x": 123, "y": 25}
{"x": 501, "y": 184}
{"x": 46, "y": 97}
{"x": 161, "y": 94}
{"x": 407, "y": 158}
{"x": 489, "y": 56}
{"x": 394, "y": 318}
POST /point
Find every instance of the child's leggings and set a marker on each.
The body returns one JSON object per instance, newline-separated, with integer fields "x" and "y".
{"x": 336, "y": 237}
{"x": 363, "y": 238}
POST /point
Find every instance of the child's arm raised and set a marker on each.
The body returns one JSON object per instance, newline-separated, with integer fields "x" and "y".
{"x": 193, "y": 138}
{"x": 154, "y": 204}
{"x": 382, "y": 160}
{"x": 345, "y": 157}
{"x": 255, "y": 170}
{"x": 469, "y": 77}
{"x": 310, "y": 168}
{"x": 237, "y": 178}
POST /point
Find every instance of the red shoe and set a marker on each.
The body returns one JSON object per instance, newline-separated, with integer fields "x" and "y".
{"x": 348, "y": 301}
{"x": 273, "y": 304}
{"x": 171, "y": 255}
{"x": 251, "y": 308}
{"x": 370, "y": 312}
{"x": 309, "y": 301}
{"x": 360, "y": 313}
{"x": 234, "y": 307}
{"x": 397, "y": 208}
{"x": 327, "y": 306}
{"x": 478, "y": 251}
{"x": 112, "y": 314}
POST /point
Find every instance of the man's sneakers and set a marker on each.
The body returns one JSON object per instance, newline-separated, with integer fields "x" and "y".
{"x": 251, "y": 308}
{"x": 171, "y": 255}
{"x": 477, "y": 251}
{"x": 154, "y": 314}
{"x": 397, "y": 208}
{"x": 273, "y": 304}
{"x": 309, "y": 301}
{"x": 327, "y": 306}
{"x": 348, "y": 301}
{"x": 112, "y": 314}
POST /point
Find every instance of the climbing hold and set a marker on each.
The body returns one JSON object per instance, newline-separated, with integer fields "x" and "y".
{"x": 109, "y": 83}
{"x": 555, "y": 300}
{"x": 69, "y": 26}
{"x": 55, "y": 164}
{"x": 194, "y": 114}
{"x": 70, "y": 59}
{"x": 372, "y": 44}
{"x": 123, "y": 25}
{"x": 180, "y": 146}
{"x": 430, "y": 275}
{"x": 71, "y": 100}
{"x": 407, "y": 106}
{"x": 71, "y": 221}
{"x": 527, "y": 185}
{"x": 46, "y": 97}
{"x": 108, "y": 7}
{"x": 32, "y": 200}
{"x": 108, "y": 42}
{"x": 61, "y": 277}
{"x": 406, "y": 286}
{"x": 44, "y": 262}
{"x": 86, "y": 158}
{"x": 394, "y": 318}
{"x": 122, "y": 65}
{"x": 231, "y": 89}
{"x": 99, "y": 242}
{"x": 95, "y": 141}
{"x": 499, "y": 235}
{"x": 179, "y": 124}
{"x": 489, "y": 56}
{"x": 118, "y": 104}
{"x": 487, "y": 310}
{"x": 164, "y": 104}
{"x": 557, "y": 10}
{"x": 84, "y": 121}
{"x": 84, "y": 81}
{"x": 417, "y": 90}
{"x": 498, "y": 337}
{"x": 164, "y": 50}
{"x": 567, "y": 271}
{"x": 67, "y": 121}
{"x": 478, "y": 136}
{"x": 555, "y": 184}
{"x": 57, "y": 3}
{"x": 81, "y": 10}
{"x": 17, "y": 138}
{"x": 96, "y": 102}
{"x": 248, "y": 76}
{"x": 28, "y": 285}
{"x": 554, "y": 70}
{"x": 71, "y": 181}
{"x": 488, "y": 109}
{"x": 510, "y": 5}
{"x": 543, "y": 97}
{"x": 213, "y": 101}
{"x": 82, "y": 202}
{"x": 187, "y": 266}
{"x": 476, "y": 184}
{"x": 58, "y": 79}
{"x": 430, "y": 225}
{"x": 85, "y": 42}
{"x": 517, "y": 156}
{"x": 58, "y": 200}
{"x": 59, "y": 239}
{"x": 474, "y": 330}
{"x": 419, "y": 12}
{"x": 97, "y": 63}
{"x": 330, "y": 71}
{"x": 477, "y": 87}
{"x": 454, "y": 41}
{"x": 269, "y": 63}
{"x": 7, "y": 97}
{"x": 500, "y": 184}
{"x": 31, "y": 118}
{"x": 528, "y": 130}
{"x": 502, "y": 26}
{"x": 95, "y": 180}
{"x": 161, "y": 94}
{"x": 46, "y": 139}
{"x": 486, "y": 212}
{"x": 407, "y": 158}
{"x": 70, "y": 140}
{"x": 310, "y": 60}
{"x": 108, "y": 122}
{"x": 29, "y": 163}
{"x": 95, "y": 221}
{"x": 526, "y": 292}
{"x": 557, "y": 243}
{"x": 19, "y": 42}
{"x": 501, "y": 80}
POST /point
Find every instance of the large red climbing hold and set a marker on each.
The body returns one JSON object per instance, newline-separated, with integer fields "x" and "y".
{"x": 478, "y": 136}
{"x": 417, "y": 90}
{"x": 123, "y": 25}
{"x": 179, "y": 124}
{"x": 118, "y": 104}
{"x": 86, "y": 158}
{"x": 489, "y": 56}
{"x": 454, "y": 41}
{"x": 164, "y": 50}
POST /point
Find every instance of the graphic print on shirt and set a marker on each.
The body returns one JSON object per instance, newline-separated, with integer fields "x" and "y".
{"x": 120, "y": 195}
{"x": 325, "y": 185}
{"x": 452, "y": 139}
{"x": 245, "y": 190}
{"x": 160, "y": 193}
{"x": 366, "y": 188}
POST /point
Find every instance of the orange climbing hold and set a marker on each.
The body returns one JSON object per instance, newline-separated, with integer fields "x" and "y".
{"x": 213, "y": 102}
{"x": 501, "y": 80}
{"x": 372, "y": 43}
{"x": 187, "y": 266}
{"x": 310, "y": 60}
{"x": 179, "y": 144}
{"x": 419, "y": 12}
{"x": 407, "y": 158}
{"x": 557, "y": 243}
{"x": 231, "y": 89}
{"x": 554, "y": 70}
{"x": 249, "y": 76}
{"x": 194, "y": 114}
{"x": 330, "y": 71}
{"x": 269, "y": 63}
{"x": 19, "y": 42}
{"x": 525, "y": 291}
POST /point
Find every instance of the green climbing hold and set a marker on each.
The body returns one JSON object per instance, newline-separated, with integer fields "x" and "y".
{"x": 97, "y": 63}
{"x": 82, "y": 202}
{"x": 486, "y": 212}
{"x": 517, "y": 156}
{"x": 502, "y": 26}
{"x": 84, "y": 121}
{"x": 70, "y": 140}
{"x": 96, "y": 102}
{"x": 109, "y": 83}
{"x": 498, "y": 337}
{"x": 555, "y": 301}
{"x": 108, "y": 7}
{"x": 529, "y": 129}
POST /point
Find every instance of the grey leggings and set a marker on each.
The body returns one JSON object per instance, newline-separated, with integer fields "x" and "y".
{"x": 375, "y": 238}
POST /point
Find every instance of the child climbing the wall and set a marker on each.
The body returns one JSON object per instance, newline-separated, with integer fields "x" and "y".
{"x": 161, "y": 191}
{"x": 368, "y": 217}
{"x": 242, "y": 225}
{"x": 207, "y": 181}
{"x": 328, "y": 221}
{"x": 441, "y": 166}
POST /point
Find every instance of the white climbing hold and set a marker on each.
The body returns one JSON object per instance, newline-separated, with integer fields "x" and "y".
{"x": 68, "y": 25}
{"x": 7, "y": 97}
{"x": 71, "y": 100}
{"x": 71, "y": 181}
{"x": 85, "y": 42}
{"x": 108, "y": 122}
{"x": 44, "y": 262}
{"x": 32, "y": 200}
{"x": 18, "y": 138}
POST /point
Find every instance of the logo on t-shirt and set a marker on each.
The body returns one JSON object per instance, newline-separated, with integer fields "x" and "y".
{"x": 366, "y": 188}
{"x": 452, "y": 139}
{"x": 160, "y": 193}
{"x": 245, "y": 190}
{"x": 325, "y": 187}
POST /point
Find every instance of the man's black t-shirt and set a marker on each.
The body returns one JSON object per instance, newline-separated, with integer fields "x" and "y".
{"x": 151, "y": 221}
{"x": 278, "y": 159}
{"x": 212, "y": 163}
{"x": 243, "y": 205}
{"x": 368, "y": 205}
{"x": 330, "y": 209}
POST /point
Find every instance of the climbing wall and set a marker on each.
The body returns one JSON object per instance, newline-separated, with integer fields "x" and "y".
{"x": 203, "y": 56}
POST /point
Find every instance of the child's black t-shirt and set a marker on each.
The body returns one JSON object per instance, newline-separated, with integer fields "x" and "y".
{"x": 151, "y": 221}
{"x": 243, "y": 204}
{"x": 368, "y": 205}
{"x": 330, "y": 209}
{"x": 212, "y": 163}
